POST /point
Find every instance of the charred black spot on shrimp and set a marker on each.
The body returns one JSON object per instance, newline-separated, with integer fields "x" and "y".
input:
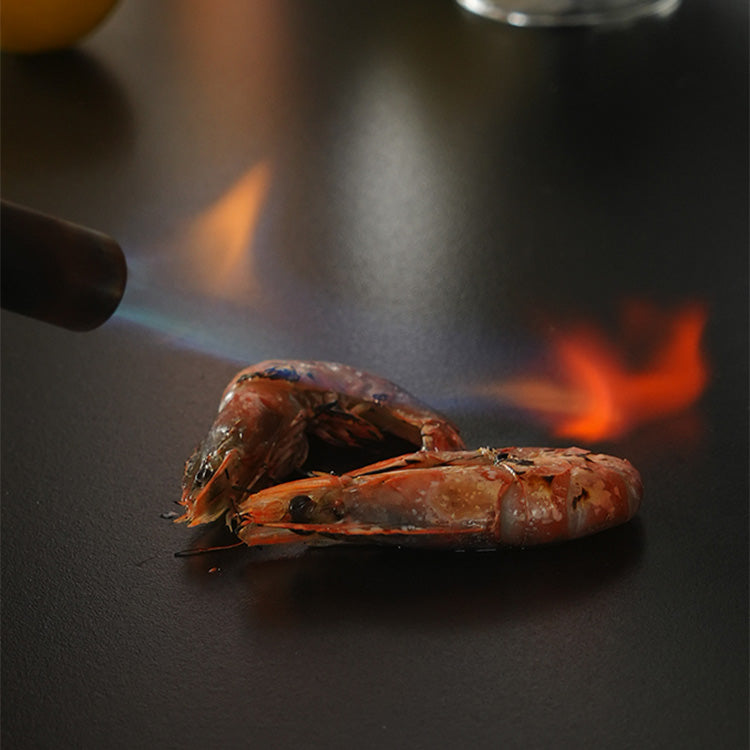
{"x": 271, "y": 373}
{"x": 280, "y": 373}
{"x": 302, "y": 509}
{"x": 582, "y": 496}
{"x": 329, "y": 407}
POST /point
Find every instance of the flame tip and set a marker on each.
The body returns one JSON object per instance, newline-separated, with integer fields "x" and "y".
{"x": 601, "y": 397}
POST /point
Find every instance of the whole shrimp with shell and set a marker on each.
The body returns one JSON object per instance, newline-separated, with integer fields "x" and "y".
{"x": 456, "y": 499}
{"x": 269, "y": 411}
{"x": 440, "y": 496}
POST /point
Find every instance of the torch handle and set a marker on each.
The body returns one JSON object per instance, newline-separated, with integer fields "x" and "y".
{"x": 58, "y": 272}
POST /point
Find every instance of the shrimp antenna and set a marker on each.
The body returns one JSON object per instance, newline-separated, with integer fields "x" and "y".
{"x": 204, "y": 550}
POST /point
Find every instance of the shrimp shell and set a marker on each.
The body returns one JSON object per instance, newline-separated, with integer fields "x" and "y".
{"x": 455, "y": 499}
{"x": 266, "y": 413}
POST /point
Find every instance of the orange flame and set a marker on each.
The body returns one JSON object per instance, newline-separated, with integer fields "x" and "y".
{"x": 602, "y": 396}
{"x": 219, "y": 240}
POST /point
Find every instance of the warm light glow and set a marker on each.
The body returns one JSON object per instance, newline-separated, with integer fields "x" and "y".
{"x": 219, "y": 239}
{"x": 602, "y": 393}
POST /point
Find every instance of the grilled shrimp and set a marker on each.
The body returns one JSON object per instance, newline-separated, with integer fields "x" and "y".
{"x": 268, "y": 411}
{"x": 455, "y": 499}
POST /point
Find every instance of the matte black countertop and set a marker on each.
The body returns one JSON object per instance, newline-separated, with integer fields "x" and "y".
{"x": 447, "y": 202}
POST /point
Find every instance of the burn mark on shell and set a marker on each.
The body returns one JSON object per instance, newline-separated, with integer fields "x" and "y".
{"x": 272, "y": 373}
{"x": 582, "y": 496}
{"x": 328, "y": 406}
{"x": 282, "y": 373}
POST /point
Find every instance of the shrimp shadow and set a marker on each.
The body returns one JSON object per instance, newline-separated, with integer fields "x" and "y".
{"x": 294, "y": 587}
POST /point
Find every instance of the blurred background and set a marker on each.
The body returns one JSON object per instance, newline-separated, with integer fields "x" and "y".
{"x": 541, "y": 232}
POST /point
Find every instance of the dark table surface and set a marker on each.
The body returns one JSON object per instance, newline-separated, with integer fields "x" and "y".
{"x": 409, "y": 189}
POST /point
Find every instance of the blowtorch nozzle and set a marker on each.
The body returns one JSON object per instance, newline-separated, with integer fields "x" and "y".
{"x": 58, "y": 272}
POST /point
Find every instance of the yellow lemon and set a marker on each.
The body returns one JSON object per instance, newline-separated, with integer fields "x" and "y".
{"x": 45, "y": 25}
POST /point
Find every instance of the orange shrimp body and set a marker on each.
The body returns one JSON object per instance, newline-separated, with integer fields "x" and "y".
{"x": 456, "y": 499}
{"x": 268, "y": 411}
